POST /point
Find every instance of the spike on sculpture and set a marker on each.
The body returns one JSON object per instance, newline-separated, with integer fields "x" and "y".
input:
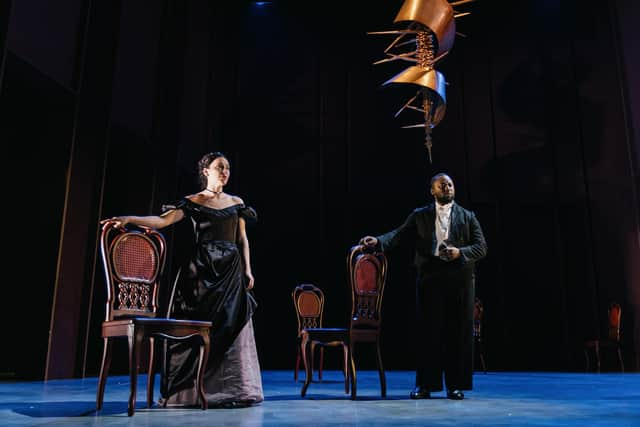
{"x": 429, "y": 28}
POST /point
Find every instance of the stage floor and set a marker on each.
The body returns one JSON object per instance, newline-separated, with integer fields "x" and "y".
{"x": 498, "y": 399}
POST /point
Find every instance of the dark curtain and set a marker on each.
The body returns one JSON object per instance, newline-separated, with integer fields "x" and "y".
{"x": 120, "y": 99}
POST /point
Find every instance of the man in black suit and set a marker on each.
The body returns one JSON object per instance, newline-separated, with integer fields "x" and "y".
{"x": 448, "y": 240}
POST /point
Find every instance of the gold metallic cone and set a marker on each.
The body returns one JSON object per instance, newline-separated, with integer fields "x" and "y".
{"x": 436, "y": 15}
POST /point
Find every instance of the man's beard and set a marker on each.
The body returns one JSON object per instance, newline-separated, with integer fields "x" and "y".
{"x": 443, "y": 200}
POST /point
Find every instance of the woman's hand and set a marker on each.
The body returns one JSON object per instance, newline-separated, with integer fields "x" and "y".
{"x": 250, "y": 280}
{"x": 369, "y": 241}
{"x": 119, "y": 221}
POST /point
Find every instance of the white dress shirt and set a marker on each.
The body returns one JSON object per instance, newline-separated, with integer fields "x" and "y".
{"x": 443, "y": 222}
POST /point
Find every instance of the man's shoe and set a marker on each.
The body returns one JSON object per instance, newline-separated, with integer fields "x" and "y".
{"x": 455, "y": 395}
{"x": 420, "y": 393}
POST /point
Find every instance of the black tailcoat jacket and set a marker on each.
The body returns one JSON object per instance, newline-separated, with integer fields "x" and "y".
{"x": 444, "y": 295}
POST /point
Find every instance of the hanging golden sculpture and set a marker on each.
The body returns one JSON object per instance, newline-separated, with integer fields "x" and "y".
{"x": 429, "y": 27}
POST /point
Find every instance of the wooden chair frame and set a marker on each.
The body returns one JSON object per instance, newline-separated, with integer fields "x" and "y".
{"x": 613, "y": 339}
{"x": 366, "y": 318}
{"x": 133, "y": 261}
{"x": 308, "y": 301}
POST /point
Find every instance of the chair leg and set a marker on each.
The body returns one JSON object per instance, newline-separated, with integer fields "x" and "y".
{"x": 307, "y": 364}
{"x": 352, "y": 372}
{"x": 295, "y": 371}
{"x": 202, "y": 364}
{"x": 620, "y": 359}
{"x": 345, "y": 367}
{"x": 586, "y": 359}
{"x": 597, "y": 348}
{"x": 383, "y": 380}
{"x": 312, "y": 354}
{"x": 481, "y": 352}
{"x": 135, "y": 341}
{"x": 150, "y": 372}
{"x": 165, "y": 360}
{"x": 104, "y": 372}
{"x": 321, "y": 363}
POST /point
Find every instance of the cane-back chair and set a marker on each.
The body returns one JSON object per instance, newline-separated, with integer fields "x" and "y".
{"x": 367, "y": 271}
{"x": 133, "y": 261}
{"x": 308, "y": 301}
{"x": 612, "y": 340}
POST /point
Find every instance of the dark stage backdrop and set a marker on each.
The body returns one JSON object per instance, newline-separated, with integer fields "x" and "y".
{"x": 108, "y": 104}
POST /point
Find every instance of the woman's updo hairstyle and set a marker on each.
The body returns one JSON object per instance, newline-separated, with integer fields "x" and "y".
{"x": 204, "y": 163}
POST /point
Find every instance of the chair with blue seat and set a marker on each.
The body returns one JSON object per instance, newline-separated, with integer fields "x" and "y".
{"x": 133, "y": 261}
{"x": 308, "y": 301}
{"x": 367, "y": 272}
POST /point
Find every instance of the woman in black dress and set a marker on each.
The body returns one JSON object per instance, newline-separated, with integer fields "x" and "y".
{"x": 214, "y": 284}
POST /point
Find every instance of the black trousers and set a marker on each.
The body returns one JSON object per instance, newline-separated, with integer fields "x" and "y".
{"x": 444, "y": 311}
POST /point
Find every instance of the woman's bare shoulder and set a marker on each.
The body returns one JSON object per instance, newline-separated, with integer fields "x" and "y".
{"x": 195, "y": 197}
{"x": 236, "y": 200}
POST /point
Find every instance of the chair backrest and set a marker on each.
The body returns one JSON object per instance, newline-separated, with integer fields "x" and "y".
{"x": 133, "y": 261}
{"x": 615, "y": 316}
{"x": 367, "y": 270}
{"x": 308, "y": 300}
{"x": 478, "y": 311}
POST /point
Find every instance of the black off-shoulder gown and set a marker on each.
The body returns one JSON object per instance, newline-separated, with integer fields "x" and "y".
{"x": 211, "y": 286}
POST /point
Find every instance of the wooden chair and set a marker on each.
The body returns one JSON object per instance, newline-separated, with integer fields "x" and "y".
{"x": 133, "y": 261}
{"x": 612, "y": 340}
{"x": 308, "y": 301}
{"x": 367, "y": 272}
{"x": 478, "y": 312}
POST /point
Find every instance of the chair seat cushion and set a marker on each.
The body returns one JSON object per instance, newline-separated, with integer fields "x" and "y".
{"x": 175, "y": 328}
{"x": 326, "y": 334}
{"x": 154, "y": 321}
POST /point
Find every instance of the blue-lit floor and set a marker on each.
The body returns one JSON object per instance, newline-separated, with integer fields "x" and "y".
{"x": 498, "y": 399}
